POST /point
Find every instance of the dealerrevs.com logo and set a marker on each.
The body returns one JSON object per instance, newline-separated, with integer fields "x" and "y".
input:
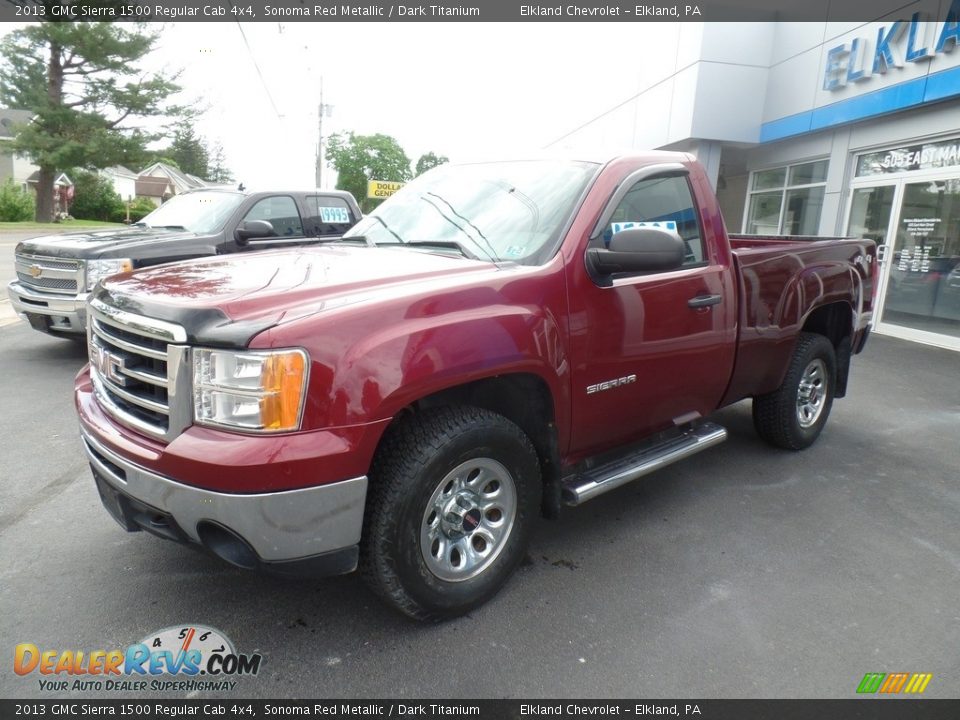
{"x": 177, "y": 659}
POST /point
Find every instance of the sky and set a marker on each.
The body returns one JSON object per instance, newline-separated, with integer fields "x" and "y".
{"x": 465, "y": 90}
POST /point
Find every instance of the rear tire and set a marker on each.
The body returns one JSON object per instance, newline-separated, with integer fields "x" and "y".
{"x": 793, "y": 415}
{"x": 453, "y": 492}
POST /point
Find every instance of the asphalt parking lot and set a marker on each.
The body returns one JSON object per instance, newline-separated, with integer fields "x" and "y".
{"x": 743, "y": 572}
{"x": 8, "y": 241}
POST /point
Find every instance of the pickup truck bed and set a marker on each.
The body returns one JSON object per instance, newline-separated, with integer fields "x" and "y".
{"x": 780, "y": 280}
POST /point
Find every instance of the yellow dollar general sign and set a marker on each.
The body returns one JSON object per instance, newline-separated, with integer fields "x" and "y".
{"x": 894, "y": 683}
{"x": 380, "y": 189}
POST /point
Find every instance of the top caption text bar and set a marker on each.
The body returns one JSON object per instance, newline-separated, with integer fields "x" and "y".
{"x": 477, "y": 11}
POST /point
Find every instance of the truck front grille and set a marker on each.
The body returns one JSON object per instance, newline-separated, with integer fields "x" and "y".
{"x": 49, "y": 274}
{"x": 139, "y": 370}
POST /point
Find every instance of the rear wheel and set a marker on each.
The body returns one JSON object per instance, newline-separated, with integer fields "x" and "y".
{"x": 793, "y": 415}
{"x": 452, "y": 496}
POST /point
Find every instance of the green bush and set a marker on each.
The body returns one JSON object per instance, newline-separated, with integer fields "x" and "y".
{"x": 139, "y": 209}
{"x": 94, "y": 198}
{"x": 15, "y": 204}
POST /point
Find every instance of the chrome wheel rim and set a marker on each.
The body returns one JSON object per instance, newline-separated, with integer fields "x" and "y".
{"x": 468, "y": 519}
{"x": 812, "y": 393}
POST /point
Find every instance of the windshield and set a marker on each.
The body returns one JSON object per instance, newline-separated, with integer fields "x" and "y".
{"x": 199, "y": 212}
{"x": 494, "y": 211}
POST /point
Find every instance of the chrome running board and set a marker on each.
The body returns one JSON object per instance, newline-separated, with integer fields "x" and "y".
{"x": 640, "y": 462}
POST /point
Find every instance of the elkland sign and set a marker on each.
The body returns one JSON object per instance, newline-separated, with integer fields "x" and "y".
{"x": 916, "y": 41}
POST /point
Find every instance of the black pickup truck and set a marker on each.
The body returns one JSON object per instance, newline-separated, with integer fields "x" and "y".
{"x": 56, "y": 272}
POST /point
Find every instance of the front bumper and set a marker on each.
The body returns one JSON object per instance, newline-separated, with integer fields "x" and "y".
{"x": 312, "y": 531}
{"x": 49, "y": 312}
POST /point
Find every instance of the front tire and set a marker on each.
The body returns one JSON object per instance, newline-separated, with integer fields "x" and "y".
{"x": 453, "y": 492}
{"x": 793, "y": 415}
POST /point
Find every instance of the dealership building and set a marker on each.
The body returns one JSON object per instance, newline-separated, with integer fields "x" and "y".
{"x": 823, "y": 128}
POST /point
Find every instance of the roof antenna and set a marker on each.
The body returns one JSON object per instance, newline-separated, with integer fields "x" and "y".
{"x": 240, "y": 187}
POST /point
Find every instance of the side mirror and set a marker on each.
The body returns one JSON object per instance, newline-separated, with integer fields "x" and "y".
{"x": 251, "y": 229}
{"x": 644, "y": 249}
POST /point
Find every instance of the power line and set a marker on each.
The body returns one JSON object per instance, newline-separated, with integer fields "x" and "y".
{"x": 259, "y": 73}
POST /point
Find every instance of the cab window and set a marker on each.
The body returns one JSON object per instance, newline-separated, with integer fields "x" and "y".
{"x": 328, "y": 215}
{"x": 664, "y": 202}
{"x": 281, "y": 212}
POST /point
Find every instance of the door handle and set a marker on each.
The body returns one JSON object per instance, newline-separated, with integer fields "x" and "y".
{"x": 702, "y": 301}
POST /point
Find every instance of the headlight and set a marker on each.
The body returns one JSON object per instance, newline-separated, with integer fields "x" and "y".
{"x": 99, "y": 269}
{"x": 250, "y": 390}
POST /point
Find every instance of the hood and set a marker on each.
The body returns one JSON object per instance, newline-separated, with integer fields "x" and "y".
{"x": 258, "y": 290}
{"x": 95, "y": 243}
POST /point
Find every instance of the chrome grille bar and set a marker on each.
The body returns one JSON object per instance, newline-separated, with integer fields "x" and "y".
{"x": 146, "y": 377}
{"x": 132, "y": 398}
{"x": 101, "y": 330}
{"x": 137, "y": 323}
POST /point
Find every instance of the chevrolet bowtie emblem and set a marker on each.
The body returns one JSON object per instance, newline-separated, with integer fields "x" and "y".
{"x": 35, "y": 271}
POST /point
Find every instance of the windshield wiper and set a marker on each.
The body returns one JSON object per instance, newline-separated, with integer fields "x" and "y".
{"x": 489, "y": 249}
{"x": 452, "y": 244}
{"x": 339, "y": 238}
{"x": 388, "y": 228}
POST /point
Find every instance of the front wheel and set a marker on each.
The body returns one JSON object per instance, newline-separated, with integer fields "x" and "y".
{"x": 793, "y": 415}
{"x": 452, "y": 495}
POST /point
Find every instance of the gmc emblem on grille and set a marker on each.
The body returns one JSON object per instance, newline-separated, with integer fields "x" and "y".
{"x": 109, "y": 365}
{"x": 35, "y": 271}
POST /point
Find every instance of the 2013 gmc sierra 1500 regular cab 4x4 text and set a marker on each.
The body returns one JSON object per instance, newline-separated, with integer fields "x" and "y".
{"x": 495, "y": 340}
{"x": 56, "y": 272}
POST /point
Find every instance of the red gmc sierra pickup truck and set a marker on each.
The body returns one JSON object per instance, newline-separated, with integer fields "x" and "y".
{"x": 496, "y": 340}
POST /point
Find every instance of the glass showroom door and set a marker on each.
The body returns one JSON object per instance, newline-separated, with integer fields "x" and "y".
{"x": 921, "y": 292}
{"x": 871, "y": 214}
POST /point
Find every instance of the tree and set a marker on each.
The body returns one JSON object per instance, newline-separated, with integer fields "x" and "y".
{"x": 359, "y": 158}
{"x": 94, "y": 197}
{"x": 83, "y": 83}
{"x": 158, "y": 156}
{"x": 428, "y": 161}
{"x": 189, "y": 152}
{"x": 134, "y": 154}
{"x": 219, "y": 172}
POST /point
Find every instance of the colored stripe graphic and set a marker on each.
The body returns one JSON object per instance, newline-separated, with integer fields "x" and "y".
{"x": 871, "y": 682}
{"x": 918, "y": 683}
{"x": 893, "y": 683}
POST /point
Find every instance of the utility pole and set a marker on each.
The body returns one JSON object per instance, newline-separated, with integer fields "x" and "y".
{"x": 321, "y": 111}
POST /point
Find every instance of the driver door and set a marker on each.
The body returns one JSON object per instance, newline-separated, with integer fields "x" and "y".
{"x": 659, "y": 346}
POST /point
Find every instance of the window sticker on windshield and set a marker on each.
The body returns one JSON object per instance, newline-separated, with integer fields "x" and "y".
{"x": 334, "y": 215}
{"x": 670, "y": 225}
{"x": 514, "y": 251}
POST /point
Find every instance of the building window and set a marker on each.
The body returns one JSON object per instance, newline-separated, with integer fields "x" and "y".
{"x": 786, "y": 200}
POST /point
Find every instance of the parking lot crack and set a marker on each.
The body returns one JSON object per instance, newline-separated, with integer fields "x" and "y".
{"x": 44, "y": 495}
